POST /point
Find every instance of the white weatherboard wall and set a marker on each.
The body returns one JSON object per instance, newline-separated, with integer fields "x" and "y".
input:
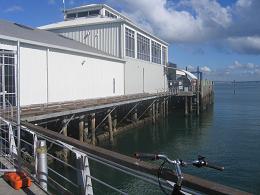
{"x": 48, "y": 76}
{"x": 141, "y": 76}
{"x": 33, "y": 75}
{"x": 104, "y": 37}
{"x": 73, "y": 77}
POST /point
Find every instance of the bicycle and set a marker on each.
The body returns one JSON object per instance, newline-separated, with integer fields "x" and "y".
{"x": 200, "y": 162}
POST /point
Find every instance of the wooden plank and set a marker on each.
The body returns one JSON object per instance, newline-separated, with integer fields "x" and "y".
{"x": 189, "y": 181}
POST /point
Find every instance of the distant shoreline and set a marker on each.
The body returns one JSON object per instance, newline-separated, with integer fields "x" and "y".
{"x": 236, "y": 81}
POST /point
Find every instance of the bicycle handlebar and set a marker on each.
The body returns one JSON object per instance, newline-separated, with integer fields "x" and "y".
{"x": 211, "y": 165}
{"x": 201, "y": 162}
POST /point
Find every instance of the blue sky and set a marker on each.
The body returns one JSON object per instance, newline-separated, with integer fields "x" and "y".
{"x": 220, "y": 36}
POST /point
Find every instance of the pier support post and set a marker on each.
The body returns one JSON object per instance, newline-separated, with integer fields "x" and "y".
{"x": 156, "y": 110}
{"x": 150, "y": 112}
{"x": 198, "y": 104}
{"x": 164, "y": 109}
{"x": 186, "y": 105}
{"x": 93, "y": 128}
{"x": 153, "y": 110}
{"x": 161, "y": 109}
{"x": 81, "y": 129}
{"x": 65, "y": 133}
{"x": 85, "y": 131}
{"x": 114, "y": 123}
{"x": 110, "y": 128}
{"x": 167, "y": 107}
{"x": 191, "y": 104}
{"x": 134, "y": 116}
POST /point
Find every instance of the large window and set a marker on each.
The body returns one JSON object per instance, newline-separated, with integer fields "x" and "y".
{"x": 143, "y": 48}
{"x": 164, "y": 57}
{"x": 7, "y": 79}
{"x": 156, "y": 52}
{"x": 129, "y": 42}
{"x": 83, "y": 14}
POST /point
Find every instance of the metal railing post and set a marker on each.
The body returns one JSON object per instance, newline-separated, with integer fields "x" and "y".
{"x": 42, "y": 167}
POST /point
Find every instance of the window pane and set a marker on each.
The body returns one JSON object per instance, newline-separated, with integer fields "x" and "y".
{"x": 156, "y": 52}
{"x": 143, "y": 48}
{"x": 82, "y": 14}
{"x": 164, "y": 60}
{"x": 130, "y": 43}
{"x": 94, "y": 12}
{"x": 73, "y": 15}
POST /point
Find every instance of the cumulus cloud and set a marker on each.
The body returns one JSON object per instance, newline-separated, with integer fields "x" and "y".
{"x": 205, "y": 69}
{"x": 14, "y": 8}
{"x": 243, "y": 71}
{"x": 250, "y": 45}
{"x": 193, "y": 21}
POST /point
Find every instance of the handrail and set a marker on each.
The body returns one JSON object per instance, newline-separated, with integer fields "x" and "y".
{"x": 189, "y": 181}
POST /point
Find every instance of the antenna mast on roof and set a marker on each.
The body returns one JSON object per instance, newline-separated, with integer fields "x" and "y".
{"x": 64, "y": 7}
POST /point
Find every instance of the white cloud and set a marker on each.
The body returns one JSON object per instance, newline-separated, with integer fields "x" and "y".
{"x": 239, "y": 66}
{"x": 205, "y": 69}
{"x": 250, "y": 44}
{"x": 197, "y": 21}
{"x": 179, "y": 25}
{"x": 14, "y": 8}
{"x": 243, "y": 3}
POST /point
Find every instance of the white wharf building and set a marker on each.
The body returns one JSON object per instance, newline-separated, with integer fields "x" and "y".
{"x": 101, "y": 27}
{"x": 95, "y": 52}
{"x": 54, "y": 68}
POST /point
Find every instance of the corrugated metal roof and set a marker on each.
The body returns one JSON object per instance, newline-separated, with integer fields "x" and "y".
{"x": 19, "y": 31}
{"x": 79, "y": 22}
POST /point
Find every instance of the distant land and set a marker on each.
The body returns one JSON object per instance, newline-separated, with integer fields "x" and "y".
{"x": 236, "y": 81}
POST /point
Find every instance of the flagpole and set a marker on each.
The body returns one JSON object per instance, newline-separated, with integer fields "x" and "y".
{"x": 64, "y": 7}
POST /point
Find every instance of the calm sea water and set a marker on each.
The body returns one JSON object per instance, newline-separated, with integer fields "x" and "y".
{"x": 228, "y": 134}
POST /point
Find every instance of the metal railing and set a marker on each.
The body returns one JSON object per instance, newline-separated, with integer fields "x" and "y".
{"x": 61, "y": 172}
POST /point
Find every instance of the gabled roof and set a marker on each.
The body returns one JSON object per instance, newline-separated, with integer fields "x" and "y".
{"x": 43, "y": 37}
{"x": 79, "y": 22}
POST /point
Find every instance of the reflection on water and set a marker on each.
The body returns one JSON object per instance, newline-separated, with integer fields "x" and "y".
{"x": 228, "y": 134}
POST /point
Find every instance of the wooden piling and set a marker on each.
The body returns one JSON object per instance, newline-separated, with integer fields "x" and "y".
{"x": 161, "y": 109}
{"x": 198, "y": 103}
{"x": 110, "y": 128}
{"x": 134, "y": 116}
{"x": 167, "y": 107}
{"x": 154, "y": 109}
{"x": 85, "y": 131}
{"x": 198, "y": 98}
{"x": 114, "y": 123}
{"x": 191, "y": 104}
{"x": 186, "y": 105}
{"x": 65, "y": 133}
{"x": 81, "y": 129}
{"x": 93, "y": 129}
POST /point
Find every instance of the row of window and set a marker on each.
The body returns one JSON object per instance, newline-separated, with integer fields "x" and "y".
{"x": 143, "y": 48}
{"x": 83, "y": 14}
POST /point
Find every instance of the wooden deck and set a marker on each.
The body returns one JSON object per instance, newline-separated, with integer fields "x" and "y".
{"x": 54, "y": 110}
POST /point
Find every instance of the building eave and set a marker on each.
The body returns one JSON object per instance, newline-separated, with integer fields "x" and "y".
{"x": 15, "y": 39}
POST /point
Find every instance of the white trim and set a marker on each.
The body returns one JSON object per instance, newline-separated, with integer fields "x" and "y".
{"x": 4, "y": 37}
